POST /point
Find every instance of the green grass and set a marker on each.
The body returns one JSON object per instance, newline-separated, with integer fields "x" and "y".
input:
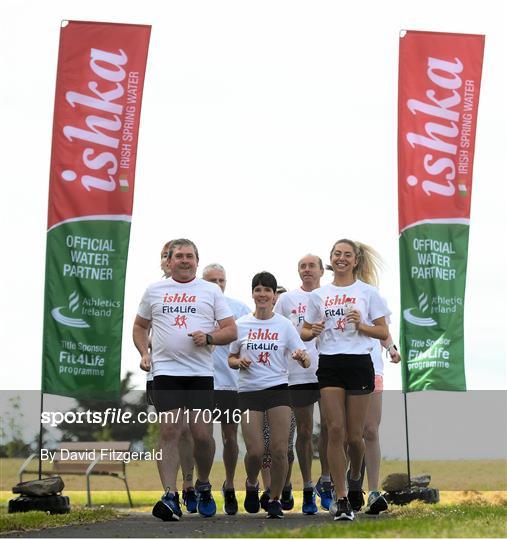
{"x": 39, "y": 520}
{"x": 415, "y": 521}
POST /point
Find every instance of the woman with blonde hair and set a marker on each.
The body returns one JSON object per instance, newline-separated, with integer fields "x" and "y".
{"x": 346, "y": 314}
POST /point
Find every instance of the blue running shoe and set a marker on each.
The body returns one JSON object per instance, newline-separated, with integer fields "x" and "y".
{"x": 309, "y": 506}
{"x": 168, "y": 508}
{"x": 190, "y": 500}
{"x": 325, "y": 492}
{"x": 205, "y": 503}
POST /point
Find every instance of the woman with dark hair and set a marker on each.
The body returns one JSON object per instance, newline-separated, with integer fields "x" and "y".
{"x": 266, "y": 340}
{"x": 346, "y": 314}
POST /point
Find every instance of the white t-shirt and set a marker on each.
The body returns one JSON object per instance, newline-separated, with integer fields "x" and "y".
{"x": 176, "y": 310}
{"x": 293, "y": 305}
{"x": 376, "y": 353}
{"x": 226, "y": 378}
{"x": 268, "y": 344}
{"x": 331, "y": 303}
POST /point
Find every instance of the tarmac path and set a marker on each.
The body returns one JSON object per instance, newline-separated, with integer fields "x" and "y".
{"x": 144, "y": 525}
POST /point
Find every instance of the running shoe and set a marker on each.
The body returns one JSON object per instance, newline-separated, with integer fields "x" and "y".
{"x": 230, "y": 501}
{"x": 190, "y": 500}
{"x": 275, "y": 509}
{"x": 287, "y": 500}
{"x": 309, "y": 506}
{"x": 341, "y": 510}
{"x": 205, "y": 503}
{"x": 168, "y": 508}
{"x": 355, "y": 494}
{"x": 376, "y": 504}
{"x": 252, "y": 503}
{"x": 324, "y": 491}
{"x": 265, "y": 499}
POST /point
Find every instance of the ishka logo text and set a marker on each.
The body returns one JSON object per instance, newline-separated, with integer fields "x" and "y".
{"x": 442, "y": 138}
{"x": 104, "y": 125}
{"x": 170, "y": 299}
{"x": 263, "y": 340}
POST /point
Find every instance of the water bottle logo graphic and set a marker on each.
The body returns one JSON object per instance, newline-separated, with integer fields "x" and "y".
{"x": 72, "y": 308}
{"x": 423, "y": 307}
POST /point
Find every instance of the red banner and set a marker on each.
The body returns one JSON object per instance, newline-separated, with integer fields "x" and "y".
{"x": 99, "y": 89}
{"x": 98, "y": 98}
{"x": 439, "y": 82}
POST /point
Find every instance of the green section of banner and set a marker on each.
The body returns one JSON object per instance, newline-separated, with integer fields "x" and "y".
{"x": 433, "y": 261}
{"x": 83, "y": 308}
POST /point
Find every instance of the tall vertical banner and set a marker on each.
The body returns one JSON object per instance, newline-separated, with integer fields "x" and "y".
{"x": 438, "y": 98}
{"x": 99, "y": 88}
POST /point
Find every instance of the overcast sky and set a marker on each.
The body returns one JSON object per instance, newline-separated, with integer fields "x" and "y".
{"x": 268, "y": 130}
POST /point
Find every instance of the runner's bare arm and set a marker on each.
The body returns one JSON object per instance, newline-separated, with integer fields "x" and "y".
{"x": 225, "y": 334}
{"x": 140, "y": 334}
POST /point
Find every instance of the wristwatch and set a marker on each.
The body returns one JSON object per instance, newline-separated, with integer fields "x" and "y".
{"x": 209, "y": 339}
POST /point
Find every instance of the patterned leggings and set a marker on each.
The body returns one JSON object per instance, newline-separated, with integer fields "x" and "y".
{"x": 266, "y": 460}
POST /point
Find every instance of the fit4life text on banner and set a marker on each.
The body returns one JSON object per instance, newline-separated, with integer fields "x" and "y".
{"x": 99, "y": 87}
{"x": 438, "y": 98}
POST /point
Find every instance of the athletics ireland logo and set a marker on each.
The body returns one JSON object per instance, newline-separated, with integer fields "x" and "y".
{"x": 69, "y": 321}
{"x": 423, "y": 307}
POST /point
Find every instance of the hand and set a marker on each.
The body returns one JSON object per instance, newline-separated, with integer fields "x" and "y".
{"x": 244, "y": 363}
{"x": 318, "y": 328}
{"x": 145, "y": 362}
{"x": 302, "y": 358}
{"x": 199, "y": 338}
{"x": 354, "y": 317}
{"x": 395, "y": 356}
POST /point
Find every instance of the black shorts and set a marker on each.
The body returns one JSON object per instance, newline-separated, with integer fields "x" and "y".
{"x": 267, "y": 398}
{"x": 226, "y": 401}
{"x": 302, "y": 395}
{"x": 353, "y": 372}
{"x": 172, "y": 392}
{"x": 149, "y": 392}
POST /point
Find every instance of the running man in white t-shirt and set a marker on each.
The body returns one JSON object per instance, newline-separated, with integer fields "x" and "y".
{"x": 303, "y": 383}
{"x": 186, "y": 444}
{"x": 266, "y": 343}
{"x": 183, "y": 312}
{"x": 226, "y": 393}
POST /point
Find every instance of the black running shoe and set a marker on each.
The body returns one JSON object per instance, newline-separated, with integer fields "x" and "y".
{"x": 356, "y": 499}
{"x": 287, "y": 500}
{"x": 265, "y": 499}
{"x": 275, "y": 509}
{"x": 168, "y": 508}
{"x": 252, "y": 503}
{"x": 230, "y": 501}
{"x": 341, "y": 510}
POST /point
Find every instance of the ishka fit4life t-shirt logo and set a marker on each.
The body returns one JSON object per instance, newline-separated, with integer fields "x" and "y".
{"x": 339, "y": 306}
{"x": 179, "y": 304}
